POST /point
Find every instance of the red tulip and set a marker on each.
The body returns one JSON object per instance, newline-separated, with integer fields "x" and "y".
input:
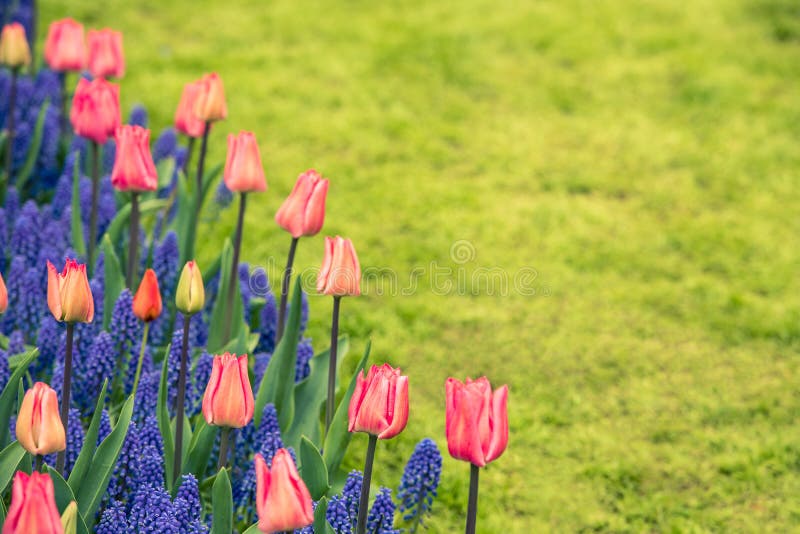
{"x": 147, "y": 301}
{"x": 3, "y": 296}
{"x": 340, "y": 274}
{"x": 33, "y": 506}
{"x": 39, "y": 428}
{"x": 210, "y": 104}
{"x": 134, "y": 169}
{"x": 14, "y": 49}
{"x": 476, "y": 420}
{"x": 379, "y": 405}
{"x": 95, "y": 110}
{"x": 65, "y": 48}
{"x": 105, "y": 54}
{"x": 69, "y": 296}
{"x": 228, "y": 400}
{"x": 243, "y": 170}
{"x": 304, "y": 211}
{"x": 186, "y": 121}
{"x": 283, "y": 501}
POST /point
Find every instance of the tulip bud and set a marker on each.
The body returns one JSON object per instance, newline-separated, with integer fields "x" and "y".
{"x": 39, "y": 428}
{"x": 95, "y": 109}
{"x": 134, "y": 169}
{"x": 303, "y": 213}
{"x": 69, "y": 519}
{"x": 64, "y": 49}
{"x": 33, "y": 506}
{"x": 105, "y": 54}
{"x": 14, "y": 49}
{"x": 186, "y": 122}
{"x": 3, "y": 296}
{"x": 283, "y": 501}
{"x": 69, "y": 296}
{"x": 228, "y": 400}
{"x": 210, "y": 104}
{"x": 476, "y": 420}
{"x": 243, "y": 170}
{"x": 147, "y": 301}
{"x": 190, "y": 297}
{"x": 340, "y": 274}
{"x": 379, "y": 405}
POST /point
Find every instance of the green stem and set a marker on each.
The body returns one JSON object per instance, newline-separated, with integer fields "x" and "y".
{"x": 179, "y": 410}
{"x": 66, "y": 386}
{"x": 141, "y": 357}
{"x": 223, "y": 448}
{"x": 329, "y": 406}
{"x": 93, "y": 212}
{"x": 39, "y": 466}
{"x": 237, "y": 245}
{"x": 363, "y": 502}
{"x": 189, "y": 152}
{"x": 133, "y": 241}
{"x": 287, "y": 275}
{"x": 189, "y": 253}
{"x": 472, "y": 506}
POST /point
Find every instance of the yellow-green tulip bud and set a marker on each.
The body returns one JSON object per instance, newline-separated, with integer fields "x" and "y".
{"x": 190, "y": 297}
{"x": 69, "y": 519}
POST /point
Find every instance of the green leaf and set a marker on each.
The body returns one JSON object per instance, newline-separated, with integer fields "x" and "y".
{"x": 89, "y": 442}
{"x": 200, "y": 448}
{"x": 185, "y": 224}
{"x": 113, "y": 279}
{"x": 222, "y": 504}
{"x": 120, "y": 222}
{"x": 338, "y": 437}
{"x": 252, "y": 529}
{"x": 64, "y": 496}
{"x": 209, "y": 178}
{"x": 9, "y": 395}
{"x": 277, "y": 385}
{"x": 310, "y": 395}
{"x": 313, "y": 470}
{"x": 10, "y": 458}
{"x": 216, "y": 333}
{"x": 164, "y": 424}
{"x": 321, "y": 524}
{"x": 165, "y": 170}
{"x": 78, "y": 243}
{"x": 33, "y": 149}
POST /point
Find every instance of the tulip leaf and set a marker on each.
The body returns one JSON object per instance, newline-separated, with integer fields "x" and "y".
{"x": 114, "y": 281}
{"x": 200, "y": 447}
{"x": 321, "y": 525}
{"x": 165, "y": 169}
{"x": 10, "y": 458}
{"x": 120, "y": 221}
{"x": 277, "y": 385}
{"x": 312, "y": 469}
{"x": 64, "y": 496}
{"x": 164, "y": 424}
{"x": 33, "y": 148}
{"x": 338, "y": 437}
{"x": 222, "y": 504}
{"x": 310, "y": 395}
{"x": 3, "y": 507}
{"x": 252, "y": 529}
{"x": 9, "y": 394}
{"x": 78, "y": 241}
{"x": 89, "y": 442}
{"x": 209, "y": 178}
{"x": 216, "y": 334}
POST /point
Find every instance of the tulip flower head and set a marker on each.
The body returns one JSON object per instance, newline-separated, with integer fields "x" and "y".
{"x": 69, "y": 296}
{"x": 283, "y": 501}
{"x": 476, "y": 420}
{"x": 303, "y": 213}
{"x": 14, "y": 49}
{"x": 210, "y": 104}
{"x": 95, "y": 110}
{"x": 39, "y": 428}
{"x": 340, "y": 274}
{"x": 105, "y": 54}
{"x": 65, "y": 49}
{"x": 186, "y": 122}
{"x": 379, "y": 405}
{"x": 228, "y": 399}
{"x": 243, "y": 170}
{"x": 33, "y": 506}
{"x": 134, "y": 169}
{"x": 3, "y": 296}
{"x": 190, "y": 296}
{"x": 147, "y": 301}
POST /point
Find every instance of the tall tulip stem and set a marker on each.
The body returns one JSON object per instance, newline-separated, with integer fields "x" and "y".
{"x": 133, "y": 242}
{"x": 287, "y": 275}
{"x": 199, "y": 193}
{"x": 93, "y": 212}
{"x": 223, "y": 448}
{"x": 472, "y": 506}
{"x": 189, "y": 152}
{"x": 12, "y": 100}
{"x": 237, "y": 245}
{"x": 39, "y": 462}
{"x": 332, "y": 364}
{"x": 179, "y": 409}
{"x": 363, "y": 502}
{"x": 138, "y": 374}
{"x": 66, "y": 386}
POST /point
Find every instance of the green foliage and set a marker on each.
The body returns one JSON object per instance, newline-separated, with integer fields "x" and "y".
{"x": 64, "y": 495}
{"x": 114, "y": 280}
{"x": 313, "y": 469}
{"x": 216, "y": 333}
{"x": 222, "y": 504}
{"x": 86, "y": 455}
{"x": 200, "y": 447}
{"x": 10, "y": 459}
{"x": 165, "y": 426}
{"x": 11, "y": 392}
{"x": 78, "y": 241}
{"x": 24, "y": 173}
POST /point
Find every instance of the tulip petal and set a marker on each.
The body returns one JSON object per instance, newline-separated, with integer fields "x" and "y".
{"x": 399, "y": 417}
{"x": 499, "y": 424}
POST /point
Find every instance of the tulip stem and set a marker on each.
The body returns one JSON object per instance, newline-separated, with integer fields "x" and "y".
{"x": 223, "y": 448}
{"x": 189, "y": 253}
{"x": 176, "y": 470}
{"x": 189, "y": 152}
{"x": 141, "y": 357}
{"x": 133, "y": 241}
{"x": 66, "y": 386}
{"x": 287, "y": 275}
{"x": 12, "y": 99}
{"x": 472, "y": 506}
{"x": 39, "y": 462}
{"x": 237, "y": 245}
{"x": 93, "y": 212}
{"x": 332, "y": 363}
{"x": 363, "y": 502}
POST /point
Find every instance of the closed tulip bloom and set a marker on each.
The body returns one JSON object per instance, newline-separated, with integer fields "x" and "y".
{"x": 228, "y": 400}
{"x": 134, "y": 169}
{"x": 186, "y": 122}
{"x": 243, "y": 170}
{"x": 14, "y": 49}
{"x": 105, "y": 54}
{"x": 210, "y": 104}
{"x": 283, "y": 501}
{"x": 69, "y": 296}
{"x": 69, "y": 519}
{"x": 33, "y": 506}
{"x": 190, "y": 297}
{"x": 3, "y": 296}
{"x": 147, "y": 301}
{"x": 379, "y": 405}
{"x": 65, "y": 49}
{"x": 95, "y": 110}
{"x": 303, "y": 213}
{"x": 340, "y": 274}
{"x": 39, "y": 428}
{"x": 476, "y": 420}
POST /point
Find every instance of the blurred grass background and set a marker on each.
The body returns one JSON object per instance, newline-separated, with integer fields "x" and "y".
{"x": 641, "y": 156}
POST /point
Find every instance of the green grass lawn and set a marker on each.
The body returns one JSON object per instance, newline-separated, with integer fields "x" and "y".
{"x": 637, "y": 161}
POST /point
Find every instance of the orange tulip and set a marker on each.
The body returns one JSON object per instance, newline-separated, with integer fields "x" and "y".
{"x": 69, "y": 296}
{"x": 476, "y": 422}
{"x": 243, "y": 170}
{"x": 105, "y": 54}
{"x": 210, "y": 104}
{"x": 147, "y": 301}
{"x": 3, "y": 296}
{"x": 39, "y": 428}
{"x": 33, "y": 506}
{"x": 65, "y": 49}
{"x": 283, "y": 501}
{"x": 14, "y": 49}
{"x": 134, "y": 169}
{"x": 303, "y": 213}
{"x": 340, "y": 274}
{"x": 228, "y": 400}
{"x": 186, "y": 122}
{"x": 379, "y": 405}
{"x": 95, "y": 110}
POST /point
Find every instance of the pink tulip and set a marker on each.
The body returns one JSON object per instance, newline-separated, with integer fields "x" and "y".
{"x": 476, "y": 420}
{"x": 243, "y": 171}
{"x": 39, "y": 428}
{"x": 65, "y": 49}
{"x": 3, "y": 296}
{"x": 303, "y": 213}
{"x": 14, "y": 49}
{"x": 33, "y": 506}
{"x": 134, "y": 169}
{"x": 210, "y": 104}
{"x": 147, "y": 301}
{"x": 186, "y": 122}
{"x": 105, "y": 54}
{"x": 340, "y": 274}
{"x": 283, "y": 501}
{"x": 379, "y": 405}
{"x": 228, "y": 400}
{"x": 95, "y": 110}
{"x": 69, "y": 295}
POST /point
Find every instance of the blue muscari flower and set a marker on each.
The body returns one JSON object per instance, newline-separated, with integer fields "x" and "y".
{"x": 114, "y": 519}
{"x": 46, "y": 167}
{"x": 26, "y": 298}
{"x": 261, "y": 361}
{"x": 338, "y": 516}
{"x": 244, "y": 289}
{"x": 181, "y": 153}
{"x": 165, "y": 145}
{"x": 5, "y": 372}
{"x": 202, "y": 373}
{"x": 24, "y": 15}
{"x": 147, "y": 365}
{"x": 198, "y": 329}
{"x": 146, "y": 394}
{"x": 152, "y": 511}
{"x": 420, "y": 481}
{"x": 173, "y": 371}
{"x": 99, "y": 365}
{"x": 62, "y": 196}
{"x": 351, "y": 493}
{"x": 122, "y": 477}
{"x": 188, "y": 509}
{"x": 105, "y": 426}
{"x": 149, "y": 468}
{"x": 138, "y": 116}
{"x": 16, "y": 342}
{"x": 381, "y": 516}
{"x": 25, "y": 235}
{"x": 303, "y": 312}
{"x": 53, "y": 242}
{"x": 223, "y": 195}
{"x": 149, "y": 434}
{"x": 109, "y": 155}
{"x": 268, "y": 324}
{"x": 75, "y": 436}
{"x": 3, "y": 238}
{"x": 248, "y": 437}
{"x": 125, "y": 328}
{"x": 165, "y": 263}
{"x": 11, "y": 204}
{"x": 244, "y": 491}
{"x": 57, "y": 378}
{"x": 304, "y": 354}
{"x": 80, "y": 145}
